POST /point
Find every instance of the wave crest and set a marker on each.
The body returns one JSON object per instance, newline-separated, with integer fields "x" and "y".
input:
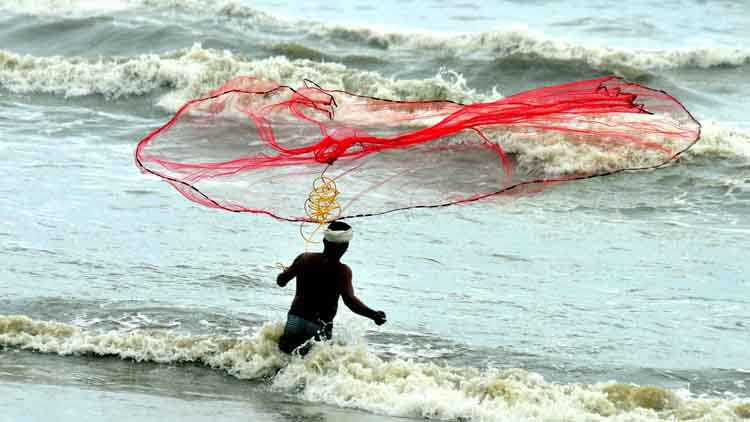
{"x": 721, "y": 141}
{"x": 351, "y": 376}
{"x": 526, "y": 43}
{"x": 195, "y": 71}
{"x": 515, "y": 42}
{"x": 227, "y": 8}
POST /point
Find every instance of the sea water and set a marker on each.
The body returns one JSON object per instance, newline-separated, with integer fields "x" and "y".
{"x": 616, "y": 298}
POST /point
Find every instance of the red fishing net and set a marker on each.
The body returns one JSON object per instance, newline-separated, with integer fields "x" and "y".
{"x": 256, "y": 146}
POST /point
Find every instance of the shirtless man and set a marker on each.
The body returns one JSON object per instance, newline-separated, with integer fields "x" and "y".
{"x": 321, "y": 279}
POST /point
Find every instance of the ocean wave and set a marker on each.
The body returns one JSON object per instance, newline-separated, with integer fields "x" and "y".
{"x": 227, "y": 8}
{"x": 515, "y": 43}
{"x": 720, "y": 141}
{"x": 349, "y": 375}
{"x": 245, "y": 358}
{"x": 178, "y": 76}
{"x": 192, "y": 72}
{"x": 548, "y": 155}
{"x": 525, "y": 43}
{"x": 61, "y": 7}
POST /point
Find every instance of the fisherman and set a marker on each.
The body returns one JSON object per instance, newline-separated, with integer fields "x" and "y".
{"x": 321, "y": 279}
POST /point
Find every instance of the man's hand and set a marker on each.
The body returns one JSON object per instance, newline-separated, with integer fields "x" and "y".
{"x": 379, "y": 318}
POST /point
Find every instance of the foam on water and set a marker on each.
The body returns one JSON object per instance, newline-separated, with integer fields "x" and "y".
{"x": 185, "y": 74}
{"x": 522, "y": 42}
{"x": 192, "y": 72}
{"x": 246, "y": 358}
{"x": 718, "y": 140}
{"x": 349, "y": 375}
{"x": 513, "y": 42}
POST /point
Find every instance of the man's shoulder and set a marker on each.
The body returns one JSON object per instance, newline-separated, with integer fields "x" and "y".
{"x": 307, "y": 256}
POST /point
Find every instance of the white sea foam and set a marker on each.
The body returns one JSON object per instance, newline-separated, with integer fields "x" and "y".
{"x": 495, "y": 44}
{"x": 349, "y": 375}
{"x": 228, "y": 8}
{"x": 192, "y": 72}
{"x": 181, "y": 75}
{"x": 548, "y": 154}
{"x": 246, "y": 358}
{"x": 189, "y": 73}
{"x": 522, "y": 42}
{"x": 718, "y": 140}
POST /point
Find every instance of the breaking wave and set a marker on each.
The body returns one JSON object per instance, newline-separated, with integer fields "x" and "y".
{"x": 523, "y": 43}
{"x": 189, "y": 73}
{"x": 349, "y": 375}
{"x": 178, "y": 76}
{"x": 511, "y": 44}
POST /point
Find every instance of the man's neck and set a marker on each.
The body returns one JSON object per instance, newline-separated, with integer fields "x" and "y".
{"x": 331, "y": 258}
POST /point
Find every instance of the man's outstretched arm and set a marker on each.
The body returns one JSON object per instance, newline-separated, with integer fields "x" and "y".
{"x": 356, "y": 305}
{"x": 289, "y": 272}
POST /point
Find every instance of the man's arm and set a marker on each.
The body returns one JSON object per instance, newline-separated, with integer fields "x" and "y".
{"x": 289, "y": 272}
{"x": 356, "y": 305}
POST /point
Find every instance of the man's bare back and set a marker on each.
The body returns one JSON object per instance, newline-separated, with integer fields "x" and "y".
{"x": 321, "y": 279}
{"x": 319, "y": 285}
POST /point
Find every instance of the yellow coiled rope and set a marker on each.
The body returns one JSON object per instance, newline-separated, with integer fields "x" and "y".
{"x": 321, "y": 207}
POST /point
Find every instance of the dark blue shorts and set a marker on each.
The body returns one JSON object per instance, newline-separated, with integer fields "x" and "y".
{"x": 299, "y": 331}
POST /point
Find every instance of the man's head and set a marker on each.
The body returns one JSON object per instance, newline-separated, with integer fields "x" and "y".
{"x": 336, "y": 239}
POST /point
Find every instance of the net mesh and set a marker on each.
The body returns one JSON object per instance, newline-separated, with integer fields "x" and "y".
{"x": 311, "y": 154}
